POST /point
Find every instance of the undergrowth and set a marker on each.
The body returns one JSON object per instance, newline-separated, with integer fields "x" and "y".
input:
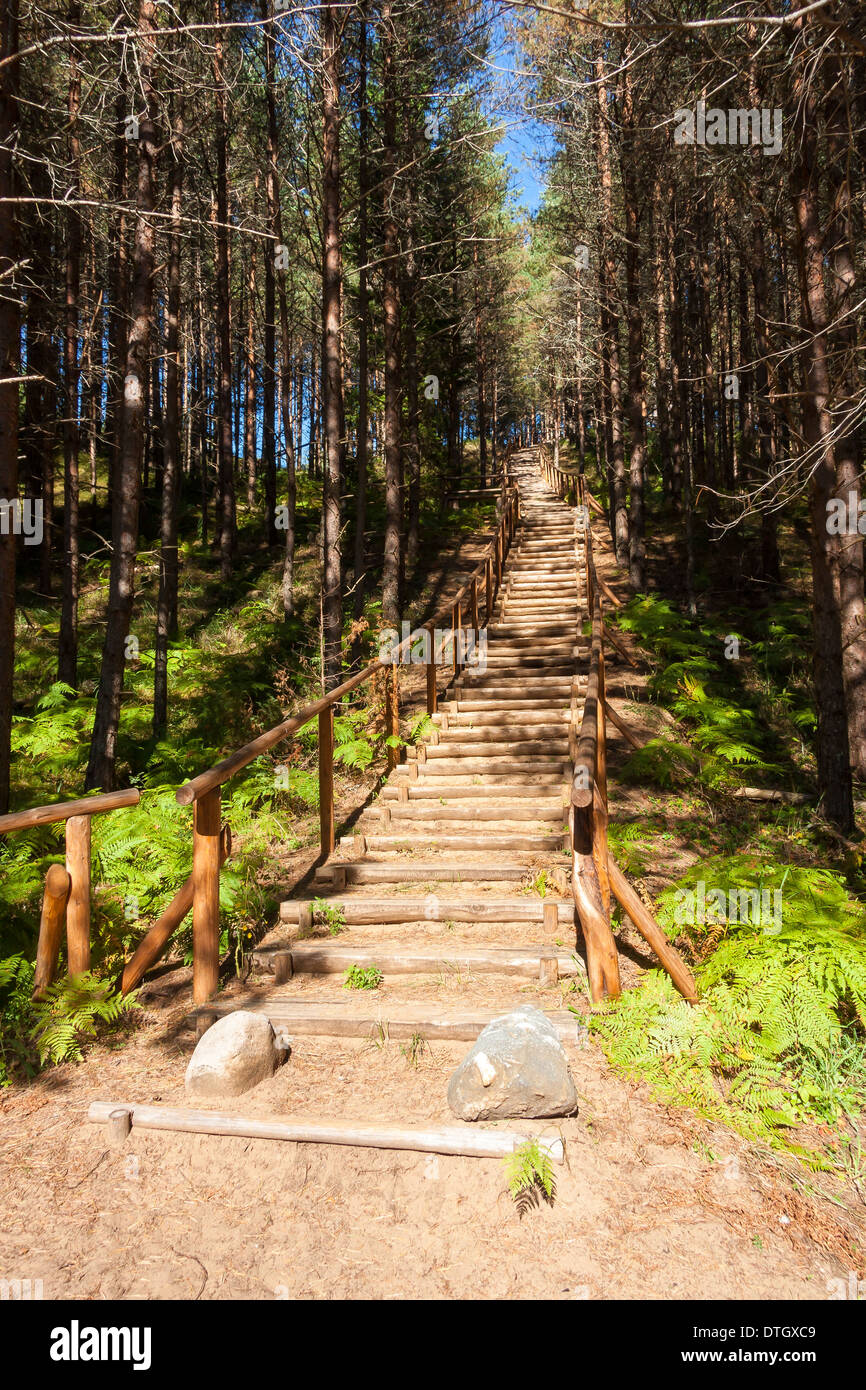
{"x": 743, "y": 712}
{"x": 779, "y": 1036}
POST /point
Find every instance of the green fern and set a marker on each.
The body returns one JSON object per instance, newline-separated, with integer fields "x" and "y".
{"x": 780, "y": 1006}
{"x": 530, "y": 1176}
{"x": 72, "y": 1011}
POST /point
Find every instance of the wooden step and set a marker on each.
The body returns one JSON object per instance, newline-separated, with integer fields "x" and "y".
{"x": 469, "y": 695}
{"x": 544, "y": 786}
{"x": 519, "y": 626}
{"x": 519, "y": 649}
{"x": 329, "y": 958}
{"x": 493, "y": 841}
{"x": 500, "y": 810}
{"x": 341, "y": 1019}
{"x": 517, "y": 747}
{"x": 429, "y": 872}
{"x": 367, "y": 912}
{"x": 497, "y": 730}
{"x": 550, "y": 708}
{"x": 540, "y": 717}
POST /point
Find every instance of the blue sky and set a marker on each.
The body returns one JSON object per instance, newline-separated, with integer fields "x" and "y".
{"x": 520, "y": 147}
{"x": 525, "y": 138}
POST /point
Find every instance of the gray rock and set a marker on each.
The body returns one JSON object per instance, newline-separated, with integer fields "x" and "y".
{"x": 238, "y": 1052}
{"x": 515, "y": 1068}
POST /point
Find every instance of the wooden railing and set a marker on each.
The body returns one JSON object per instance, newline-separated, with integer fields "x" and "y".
{"x": 204, "y": 791}
{"x": 595, "y": 874}
{"x": 67, "y": 890}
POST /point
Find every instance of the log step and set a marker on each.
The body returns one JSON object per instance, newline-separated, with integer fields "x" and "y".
{"x": 481, "y": 784}
{"x": 327, "y": 958}
{"x": 547, "y": 709}
{"x": 366, "y": 912}
{"x": 493, "y": 841}
{"x": 447, "y": 767}
{"x": 493, "y": 731}
{"x": 534, "y": 719}
{"x": 500, "y": 810}
{"x": 398, "y": 1022}
{"x": 557, "y": 743}
{"x": 467, "y": 1141}
{"x": 427, "y": 872}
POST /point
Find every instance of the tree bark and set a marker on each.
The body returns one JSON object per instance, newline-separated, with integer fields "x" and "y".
{"x": 360, "y": 561}
{"x": 9, "y": 368}
{"x": 225, "y": 462}
{"x": 391, "y": 309}
{"x": 166, "y": 616}
{"x": 834, "y": 772}
{"x": 103, "y": 747}
{"x": 332, "y": 374}
{"x": 67, "y": 663}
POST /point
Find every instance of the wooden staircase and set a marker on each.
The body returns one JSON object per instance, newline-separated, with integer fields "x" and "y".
{"x": 456, "y": 884}
{"x": 462, "y": 882}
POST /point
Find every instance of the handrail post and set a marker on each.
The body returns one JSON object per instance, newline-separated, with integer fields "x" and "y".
{"x": 432, "y": 692}
{"x": 456, "y": 628}
{"x": 206, "y": 896}
{"x": 326, "y": 780}
{"x": 473, "y": 608}
{"x": 599, "y": 828}
{"x": 50, "y": 928}
{"x": 78, "y": 905}
{"x": 488, "y": 590}
{"x": 392, "y": 715}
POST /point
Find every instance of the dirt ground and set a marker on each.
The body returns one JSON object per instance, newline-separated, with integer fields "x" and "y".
{"x": 651, "y": 1202}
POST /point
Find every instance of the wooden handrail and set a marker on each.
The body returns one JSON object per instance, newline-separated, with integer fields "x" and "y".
{"x": 595, "y": 875}
{"x": 63, "y": 810}
{"x": 204, "y": 791}
{"x": 215, "y": 777}
{"x": 67, "y": 890}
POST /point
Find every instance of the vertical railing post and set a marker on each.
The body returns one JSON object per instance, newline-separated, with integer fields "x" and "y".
{"x": 392, "y": 714}
{"x": 206, "y": 896}
{"x": 432, "y": 693}
{"x": 473, "y": 608}
{"x": 50, "y": 928}
{"x": 78, "y": 904}
{"x": 456, "y": 627}
{"x": 488, "y": 588}
{"x": 599, "y": 848}
{"x": 326, "y": 781}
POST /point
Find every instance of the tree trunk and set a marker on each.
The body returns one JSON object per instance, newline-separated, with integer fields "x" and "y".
{"x": 332, "y": 375}
{"x": 609, "y": 328}
{"x": 834, "y": 772}
{"x": 360, "y": 563}
{"x": 9, "y": 368}
{"x": 391, "y": 309}
{"x": 637, "y": 459}
{"x": 103, "y": 747}
{"x": 166, "y": 616}
{"x": 225, "y": 462}
{"x": 839, "y": 245}
{"x": 67, "y": 663}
